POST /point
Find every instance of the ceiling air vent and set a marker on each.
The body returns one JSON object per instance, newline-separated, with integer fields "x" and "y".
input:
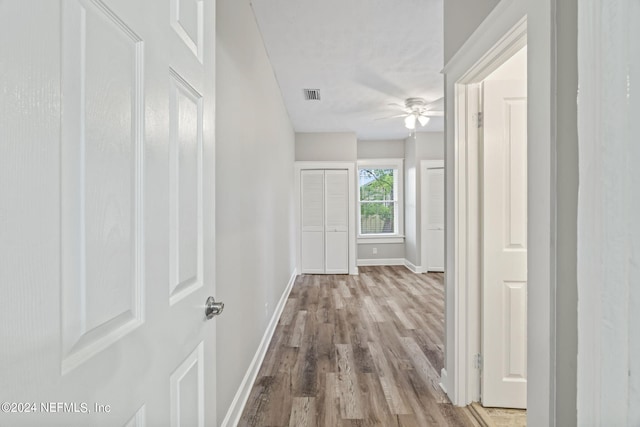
{"x": 312, "y": 94}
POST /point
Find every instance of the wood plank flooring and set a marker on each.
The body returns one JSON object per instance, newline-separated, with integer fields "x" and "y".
{"x": 361, "y": 350}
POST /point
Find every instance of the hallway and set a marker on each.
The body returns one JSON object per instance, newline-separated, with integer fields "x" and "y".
{"x": 357, "y": 350}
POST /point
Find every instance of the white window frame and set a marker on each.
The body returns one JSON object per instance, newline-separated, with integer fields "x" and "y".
{"x": 398, "y": 180}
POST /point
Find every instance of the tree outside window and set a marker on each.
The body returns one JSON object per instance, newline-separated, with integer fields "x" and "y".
{"x": 378, "y": 202}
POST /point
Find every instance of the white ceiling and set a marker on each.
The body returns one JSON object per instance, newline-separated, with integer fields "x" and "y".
{"x": 361, "y": 54}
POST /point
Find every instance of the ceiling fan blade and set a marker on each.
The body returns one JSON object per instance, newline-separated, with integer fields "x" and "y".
{"x": 373, "y": 80}
{"x": 437, "y": 105}
{"x": 433, "y": 113}
{"x": 391, "y": 117}
{"x": 400, "y": 107}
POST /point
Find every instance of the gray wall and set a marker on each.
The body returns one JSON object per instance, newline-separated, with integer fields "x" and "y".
{"x": 425, "y": 146}
{"x": 567, "y": 213}
{"x": 383, "y": 149}
{"x": 254, "y": 195}
{"x": 326, "y": 146}
{"x": 385, "y": 251}
{"x": 461, "y": 18}
{"x": 430, "y": 146}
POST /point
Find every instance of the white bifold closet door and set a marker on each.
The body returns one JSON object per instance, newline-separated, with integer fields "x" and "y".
{"x": 325, "y": 226}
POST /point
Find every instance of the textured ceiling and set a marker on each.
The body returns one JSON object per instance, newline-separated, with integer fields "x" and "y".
{"x": 361, "y": 54}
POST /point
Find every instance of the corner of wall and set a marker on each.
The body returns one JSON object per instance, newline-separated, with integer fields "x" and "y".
{"x": 234, "y": 413}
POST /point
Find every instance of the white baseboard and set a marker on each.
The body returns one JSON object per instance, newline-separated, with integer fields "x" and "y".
{"x": 414, "y": 268}
{"x": 443, "y": 380}
{"x": 381, "y": 261}
{"x": 232, "y": 418}
{"x": 391, "y": 261}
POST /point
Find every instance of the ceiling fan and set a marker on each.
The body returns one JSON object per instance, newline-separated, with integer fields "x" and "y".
{"x": 417, "y": 110}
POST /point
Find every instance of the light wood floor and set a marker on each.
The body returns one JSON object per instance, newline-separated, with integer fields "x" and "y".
{"x": 357, "y": 351}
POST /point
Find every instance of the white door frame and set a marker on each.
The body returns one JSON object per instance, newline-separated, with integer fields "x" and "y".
{"x": 501, "y": 34}
{"x": 424, "y": 206}
{"x": 350, "y": 167}
{"x": 481, "y": 49}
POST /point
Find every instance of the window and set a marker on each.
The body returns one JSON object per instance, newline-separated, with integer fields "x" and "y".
{"x": 380, "y": 198}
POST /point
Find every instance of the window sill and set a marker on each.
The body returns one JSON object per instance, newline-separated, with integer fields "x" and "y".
{"x": 380, "y": 239}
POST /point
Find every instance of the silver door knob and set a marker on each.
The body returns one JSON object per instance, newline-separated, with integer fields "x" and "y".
{"x": 213, "y": 308}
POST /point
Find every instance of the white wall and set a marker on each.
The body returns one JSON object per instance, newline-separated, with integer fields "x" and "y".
{"x": 254, "y": 195}
{"x": 608, "y": 206}
{"x": 461, "y": 18}
{"x": 326, "y": 146}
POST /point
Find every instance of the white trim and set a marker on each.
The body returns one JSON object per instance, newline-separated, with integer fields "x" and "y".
{"x": 392, "y": 261}
{"x": 381, "y": 163}
{"x": 232, "y": 418}
{"x": 380, "y": 240}
{"x": 425, "y": 164}
{"x": 500, "y": 35}
{"x": 443, "y": 380}
{"x": 380, "y": 261}
{"x": 414, "y": 268}
{"x": 397, "y": 165}
{"x": 353, "y": 227}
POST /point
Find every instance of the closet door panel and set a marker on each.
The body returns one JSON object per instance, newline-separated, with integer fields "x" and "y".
{"x": 312, "y": 217}
{"x": 337, "y": 252}
{"x": 336, "y": 222}
{"x": 312, "y": 252}
{"x": 337, "y": 200}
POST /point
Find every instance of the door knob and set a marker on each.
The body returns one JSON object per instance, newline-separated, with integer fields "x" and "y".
{"x": 213, "y": 308}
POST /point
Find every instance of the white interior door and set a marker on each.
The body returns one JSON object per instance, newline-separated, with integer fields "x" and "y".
{"x": 504, "y": 225}
{"x": 336, "y": 222}
{"x": 106, "y": 212}
{"x": 433, "y": 215}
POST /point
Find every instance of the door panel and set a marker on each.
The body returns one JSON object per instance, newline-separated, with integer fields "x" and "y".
{"x": 106, "y": 216}
{"x": 337, "y": 222}
{"x": 337, "y": 252}
{"x": 101, "y": 233}
{"x": 187, "y": 391}
{"x": 434, "y": 217}
{"x": 138, "y": 419}
{"x": 313, "y": 252}
{"x": 187, "y": 21}
{"x": 337, "y": 200}
{"x": 312, "y": 201}
{"x": 185, "y": 111}
{"x": 504, "y": 338}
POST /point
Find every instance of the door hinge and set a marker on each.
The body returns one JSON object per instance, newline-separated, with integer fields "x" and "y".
{"x": 477, "y": 361}
{"x": 480, "y": 119}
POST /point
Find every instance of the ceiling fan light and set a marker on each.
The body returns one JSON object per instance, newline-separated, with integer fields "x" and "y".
{"x": 423, "y": 120}
{"x": 410, "y": 121}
